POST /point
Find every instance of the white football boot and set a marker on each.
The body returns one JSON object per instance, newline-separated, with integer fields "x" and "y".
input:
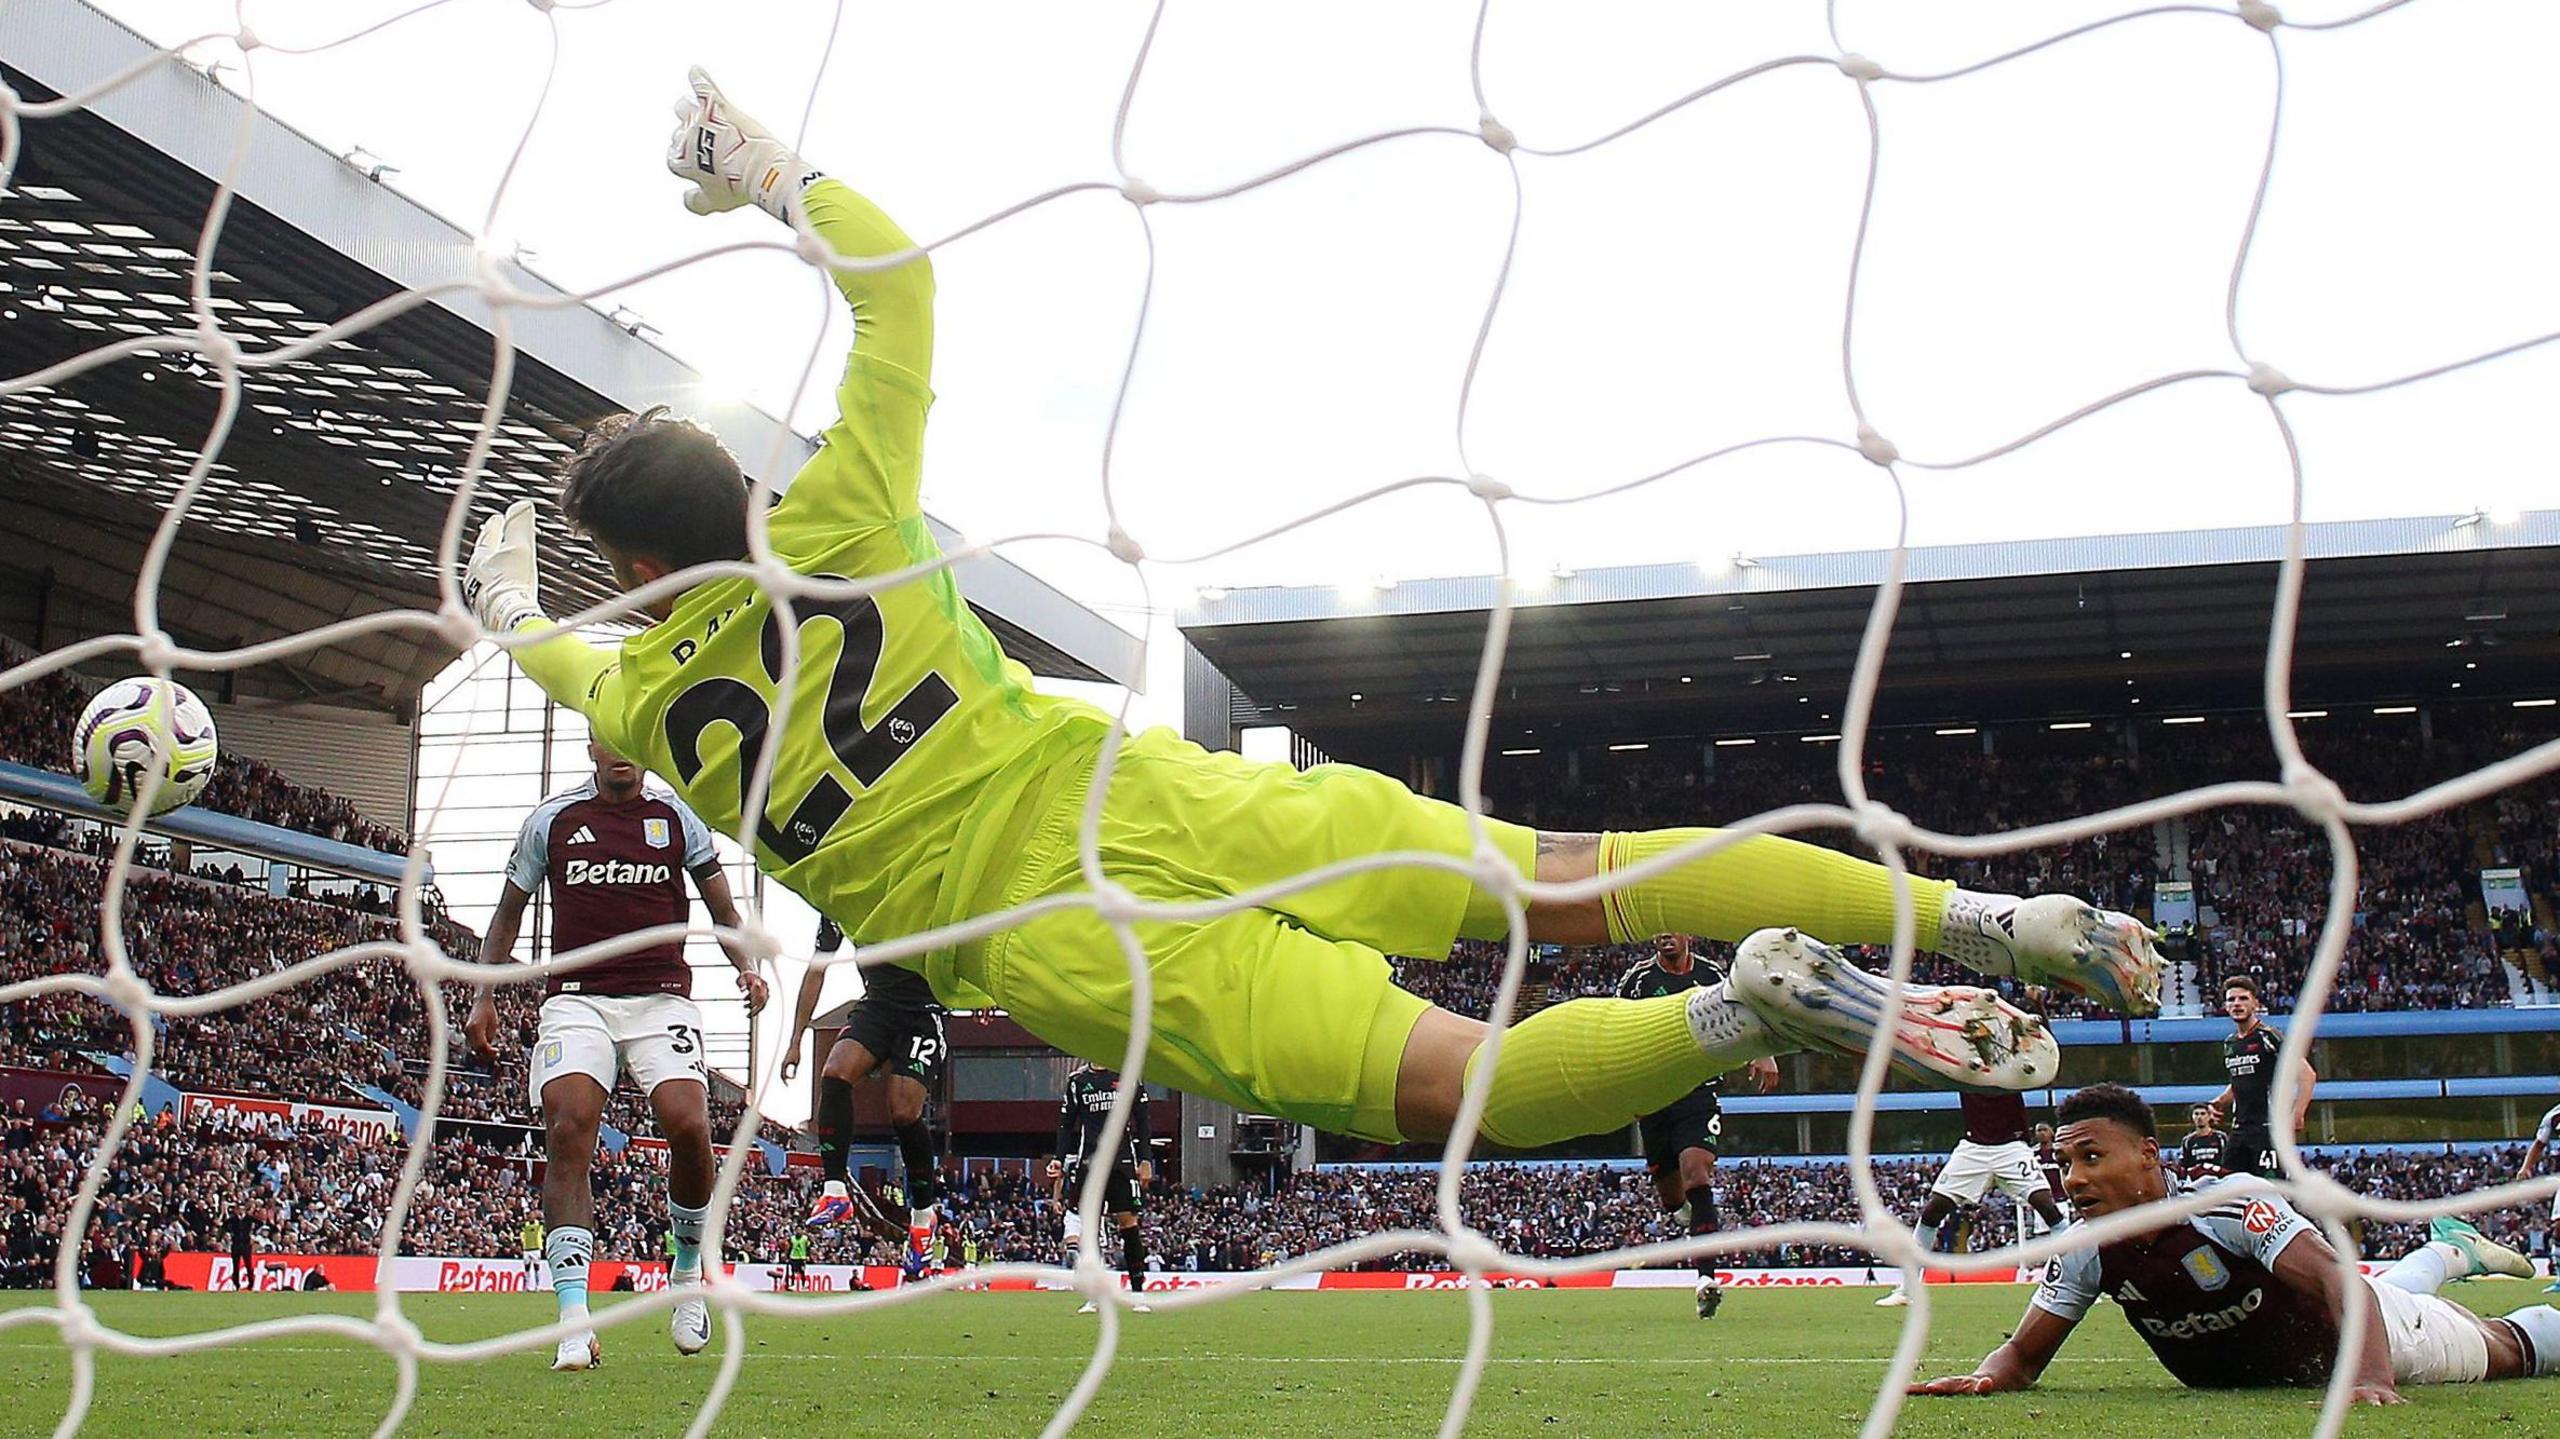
{"x": 1949, "y": 1036}
{"x": 2056, "y": 941}
{"x": 578, "y": 1351}
{"x": 690, "y": 1324}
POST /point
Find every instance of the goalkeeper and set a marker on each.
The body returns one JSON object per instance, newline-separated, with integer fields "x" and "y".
{"x": 921, "y": 781}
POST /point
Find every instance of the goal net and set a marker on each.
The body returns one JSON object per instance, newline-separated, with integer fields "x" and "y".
{"x": 2253, "y": 41}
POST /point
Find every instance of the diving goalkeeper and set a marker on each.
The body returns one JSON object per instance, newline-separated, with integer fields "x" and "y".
{"x": 922, "y": 781}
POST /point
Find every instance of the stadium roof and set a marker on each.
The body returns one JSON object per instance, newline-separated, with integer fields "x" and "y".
{"x": 2457, "y": 606}
{"x": 330, "y": 496}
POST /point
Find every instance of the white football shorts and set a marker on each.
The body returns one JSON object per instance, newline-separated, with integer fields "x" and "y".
{"x": 656, "y": 1037}
{"x": 2433, "y": 1341}
{"x": 1974, "y": 1169}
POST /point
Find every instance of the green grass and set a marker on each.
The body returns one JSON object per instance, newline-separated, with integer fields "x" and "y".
{"x": 1627, "y": 1364}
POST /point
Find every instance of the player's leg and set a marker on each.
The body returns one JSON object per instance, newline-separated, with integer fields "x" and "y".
{"x": 572, "y": 1108}
{"x": 1935, "y": 1211}
{"x": 849, "y": 1061}
{"x": 661, "y": 1044}
{"x": 1698, "y": 1184}
{"x": 922, "y": 1161}
{"x": 1133, "y": 1244}
{"x": 1248, "y": 824}
{"x": 1696, "y": 1167}
{"x": 2454, "y": 1250}
{"x": 1766, "y": 881}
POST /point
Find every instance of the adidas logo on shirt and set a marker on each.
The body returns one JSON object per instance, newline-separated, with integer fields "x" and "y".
{"x": 583, "y": 836}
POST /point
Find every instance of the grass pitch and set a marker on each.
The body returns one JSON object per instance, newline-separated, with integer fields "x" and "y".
{"x": 1630, "y": 1364}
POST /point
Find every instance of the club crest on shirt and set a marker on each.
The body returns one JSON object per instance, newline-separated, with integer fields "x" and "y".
{"x": 550, "y": 1054}
{"x": 654, "y": 830}
{"x": 2206, "y": 1268}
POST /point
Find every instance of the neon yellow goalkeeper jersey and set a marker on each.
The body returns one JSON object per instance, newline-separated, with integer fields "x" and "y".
{"x": 914, "y": 748}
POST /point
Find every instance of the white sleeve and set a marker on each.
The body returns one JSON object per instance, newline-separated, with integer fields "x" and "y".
{"x": 2550, "y": 1126}
{"x": 2070, "y": 1285}
{"x": 2253, "y": 1220}
{"x": 525, "y": 866}
{"x": 697, "y": 836}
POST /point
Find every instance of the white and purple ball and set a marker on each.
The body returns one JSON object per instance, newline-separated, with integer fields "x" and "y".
{"x": 137, "y": 727}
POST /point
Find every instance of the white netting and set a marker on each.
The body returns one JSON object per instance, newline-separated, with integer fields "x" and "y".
{"x": 2300, "y": 787}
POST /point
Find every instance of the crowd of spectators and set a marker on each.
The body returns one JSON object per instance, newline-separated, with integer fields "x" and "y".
{"x": 316, "y": 1189}
{"x": 36, "y": 724}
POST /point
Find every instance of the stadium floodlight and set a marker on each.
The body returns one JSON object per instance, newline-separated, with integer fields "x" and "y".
{"x": 1817, "y": 738}
{"x": 1623, "y": 748}
{"x": 2069, "y": 724}
{"x": 1734, "y": 743}
{"x": 2184, "y": 719}
{"x": 2535, "y": 704}
{"x": 2395, "y": 709}
{"x": 1518, "y": 752}
{"x": 1960, "y": 729}
{"x": 2306, "y": 714}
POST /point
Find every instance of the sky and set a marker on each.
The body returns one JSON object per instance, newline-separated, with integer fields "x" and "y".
{"x": 2044, "y": 232}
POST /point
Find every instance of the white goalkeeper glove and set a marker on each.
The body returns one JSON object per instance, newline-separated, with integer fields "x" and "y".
{"x": 731, "y": 159}
{"x": 501, "y": 583}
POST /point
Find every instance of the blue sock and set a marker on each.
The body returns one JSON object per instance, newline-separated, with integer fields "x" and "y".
{"x": 2540, "y": 1327}
{"x": 567, "y": 1249}
{"x": 684, "y": 1221}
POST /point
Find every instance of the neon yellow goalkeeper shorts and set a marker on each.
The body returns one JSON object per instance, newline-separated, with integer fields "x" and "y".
{"x": 1287, "y": 1009}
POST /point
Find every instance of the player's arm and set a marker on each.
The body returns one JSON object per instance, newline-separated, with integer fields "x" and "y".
{"x": 2221, "y": 1103}
{"x": 712, "y": 883}
{"x": 2016, "y": 1364}
{"x": 1144, "y": 1136}
{"x": 869, "y": 462}
{"x": 2307, "y": 1265}
{"x": 803, "y": 1012}
{"x": 2070, "y": 1288}
{"x": 497, "y": 943}
{"x": 2307, "y": 1078}
{"x": 502, "y": 584}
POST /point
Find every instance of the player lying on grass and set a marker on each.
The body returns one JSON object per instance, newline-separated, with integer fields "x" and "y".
{"x": 2247, "y": 1294}
{"x": 922, "y": 780}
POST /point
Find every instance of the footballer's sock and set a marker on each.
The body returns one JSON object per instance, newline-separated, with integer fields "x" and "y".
{"x": 834, "y": 1125}
{"x": 920, "y": 1224}
{"x": 684, "y": 1221}
{"x": 924, "y": 1177}
{"x": 1927, "y": 1234}
{"x": 567, "y": 1248}
{"x": 1589, "y": 1066}
{"x": 2539, "y": 1328}
{"x": 1133, "y": 1258}
{"x": 1703, "y": 1218}
{"x": 1761, "y": 882}
{"x": 2427, "y": 1269}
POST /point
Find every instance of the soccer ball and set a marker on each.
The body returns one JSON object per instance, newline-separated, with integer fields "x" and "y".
{"x": 137, "y": 727}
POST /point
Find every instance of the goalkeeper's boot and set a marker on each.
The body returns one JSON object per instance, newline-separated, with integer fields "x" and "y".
{"x": 1949, "y": 1036}
{"x": 578, "y": 1351}
{"x": 2056, "y": 941}
{"x": 2486, "y": 1255}
{"x": 690, "y": 1324}
{"x": 1710, "y": 1297}
{"x": 834, "y": 1206}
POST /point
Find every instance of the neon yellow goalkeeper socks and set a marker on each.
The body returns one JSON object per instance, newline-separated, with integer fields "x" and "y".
{"x": 1592, "y": 1065}
{"x": 1760, "y": 883}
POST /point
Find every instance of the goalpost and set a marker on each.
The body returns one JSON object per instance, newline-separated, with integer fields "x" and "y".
{"x": 2298, "y": 787}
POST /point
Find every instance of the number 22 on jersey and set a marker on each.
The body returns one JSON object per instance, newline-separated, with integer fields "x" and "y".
{"x": 867, "y": 751}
